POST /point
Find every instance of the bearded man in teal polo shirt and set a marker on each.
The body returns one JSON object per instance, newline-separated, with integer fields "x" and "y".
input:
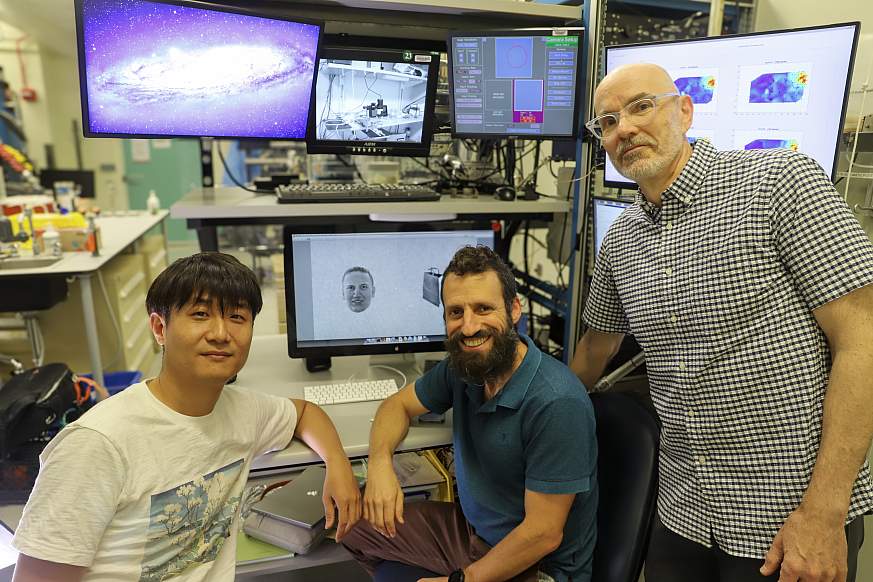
{"x": 525, "y": 450}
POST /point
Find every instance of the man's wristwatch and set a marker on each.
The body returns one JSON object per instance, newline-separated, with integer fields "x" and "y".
{"x": 457, "y": 575}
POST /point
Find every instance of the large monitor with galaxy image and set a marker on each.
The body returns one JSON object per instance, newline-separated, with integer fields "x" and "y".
{"x": 183, "y": 69}
{"x": 516, "y": 83}
{"x": 780, "y": 89}
{"x": 373, "y": 101}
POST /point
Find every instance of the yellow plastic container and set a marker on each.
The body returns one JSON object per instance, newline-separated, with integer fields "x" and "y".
{"x": 73, "y": 220}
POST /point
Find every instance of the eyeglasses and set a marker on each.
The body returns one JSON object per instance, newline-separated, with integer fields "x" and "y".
{"x": 636, "y": 112}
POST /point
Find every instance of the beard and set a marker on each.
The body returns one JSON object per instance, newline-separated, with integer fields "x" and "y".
{"x": 638, "y": 167}
{"x": 479, "y": 369}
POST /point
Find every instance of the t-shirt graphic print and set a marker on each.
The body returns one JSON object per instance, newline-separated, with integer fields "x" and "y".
{"x": 189, "y": 524}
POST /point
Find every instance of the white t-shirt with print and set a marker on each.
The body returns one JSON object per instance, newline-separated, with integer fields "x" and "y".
{"x": 136, "y": 491}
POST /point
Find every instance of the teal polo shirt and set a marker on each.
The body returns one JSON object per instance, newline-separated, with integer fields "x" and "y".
{"x": 537, "y": 433}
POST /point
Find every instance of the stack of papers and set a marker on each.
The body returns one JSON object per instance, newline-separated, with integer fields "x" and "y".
{"x": 251, "y": 550}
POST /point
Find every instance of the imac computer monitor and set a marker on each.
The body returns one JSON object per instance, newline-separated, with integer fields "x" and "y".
{"x": 352, "y": 293}
{"x": 517, "y": 83}
{"x": 782, "y": 89}
{"x": 373, "y": 102}
{"x": 606, "y": 210}
{"x": 182, "y": 69}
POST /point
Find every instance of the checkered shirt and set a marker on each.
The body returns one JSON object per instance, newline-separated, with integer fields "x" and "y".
{"x": 718, "y": 287}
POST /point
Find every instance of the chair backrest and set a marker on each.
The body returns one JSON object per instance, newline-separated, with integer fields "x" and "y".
{"x": 627, "y": 465}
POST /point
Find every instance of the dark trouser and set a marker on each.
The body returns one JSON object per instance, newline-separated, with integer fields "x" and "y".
{"x": 435, "y": 536}
{"x": 672, "y": 558}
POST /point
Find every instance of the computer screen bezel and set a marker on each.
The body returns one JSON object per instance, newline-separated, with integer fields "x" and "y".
{"x": 594, "y": 200}
{"x": 294, "y": 351}
{"x": 629, "y": 184}
{"x": 579, "y": 95}
{"x": 376, "y": 148}
{"x": 83, "y": 77}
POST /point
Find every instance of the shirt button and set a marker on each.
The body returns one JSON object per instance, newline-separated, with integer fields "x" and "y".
{"x": 673, "y": 318}
{"x": 701, "y": 460}
{"x": 691, "y": 413}
{"x": 681, "y": 365}
{"x": 669, "y": 225}
{"x": 668, "y": 271}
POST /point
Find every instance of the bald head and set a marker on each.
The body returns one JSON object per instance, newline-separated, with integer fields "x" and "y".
{"x": 646, "y": 139}
{"x": 631, "y": 82}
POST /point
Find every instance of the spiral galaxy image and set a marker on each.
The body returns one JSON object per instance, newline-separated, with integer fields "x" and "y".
{"x": 162, "y": 69}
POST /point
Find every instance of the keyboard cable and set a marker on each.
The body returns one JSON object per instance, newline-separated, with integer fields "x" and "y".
{"x": 395, "y": 370}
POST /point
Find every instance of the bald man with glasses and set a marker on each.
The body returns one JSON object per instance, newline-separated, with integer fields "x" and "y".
{"x": 746, "y": 279}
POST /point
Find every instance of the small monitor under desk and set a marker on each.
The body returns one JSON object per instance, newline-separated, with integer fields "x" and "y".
{"x": 270, "y": 370}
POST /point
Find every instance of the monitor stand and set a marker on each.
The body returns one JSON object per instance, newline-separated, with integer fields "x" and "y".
{"x": 391, "y": 359}
{"x": 314, "y": 364}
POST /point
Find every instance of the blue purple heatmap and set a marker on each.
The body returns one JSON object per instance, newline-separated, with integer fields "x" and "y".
{"x": 163, "y": 69}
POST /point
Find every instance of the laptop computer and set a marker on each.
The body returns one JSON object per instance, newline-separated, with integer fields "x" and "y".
{"x": 298, "y": 502}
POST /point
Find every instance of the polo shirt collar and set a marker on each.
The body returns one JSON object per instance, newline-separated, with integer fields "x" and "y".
{"x": 513, "y": 392}
{"x": 690, "y": 179}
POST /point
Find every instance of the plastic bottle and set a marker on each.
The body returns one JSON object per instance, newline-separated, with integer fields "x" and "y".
{"x": 51, "y": 240}
{"x": 153, "y": 203}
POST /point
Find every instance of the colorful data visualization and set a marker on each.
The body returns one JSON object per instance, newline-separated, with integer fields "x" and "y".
{"x": 767, "y": 139}
{"x": 700, "y": 89}
{"x": 778, "y": 87}
{"x": 775, "y": 88}
{"x": 693, "y": 134}
{"x": 699, "y": 83}
{"x": 767, "y": 144}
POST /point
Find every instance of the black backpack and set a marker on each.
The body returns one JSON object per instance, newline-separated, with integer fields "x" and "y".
{"x": 34, "y": 406}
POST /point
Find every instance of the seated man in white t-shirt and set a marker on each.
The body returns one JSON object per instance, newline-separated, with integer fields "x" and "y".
{"x": 147, "y": 485}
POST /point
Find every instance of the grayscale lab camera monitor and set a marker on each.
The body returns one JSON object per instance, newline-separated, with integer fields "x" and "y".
{"x": 516, "y": 83}
{"x": 174, "y": 68}
{"x": 778, "y": 89}
{"x": 371, "y": 289}
{"x": 373, "y": 102}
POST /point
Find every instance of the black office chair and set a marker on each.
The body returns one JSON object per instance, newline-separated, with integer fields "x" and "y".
{"x": 627, "y": 464}
{"x": 627, "y": 473}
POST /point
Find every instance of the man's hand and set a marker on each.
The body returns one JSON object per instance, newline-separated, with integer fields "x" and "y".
{"x": 809, "y": 548}
{"x": 341, "y": 489}
{"x": 383, "y": 498}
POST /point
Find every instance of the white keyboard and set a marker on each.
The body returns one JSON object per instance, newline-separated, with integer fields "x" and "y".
{"x": 343, "y": 393}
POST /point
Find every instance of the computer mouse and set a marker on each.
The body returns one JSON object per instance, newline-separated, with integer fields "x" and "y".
{"x": 505, "y": 193}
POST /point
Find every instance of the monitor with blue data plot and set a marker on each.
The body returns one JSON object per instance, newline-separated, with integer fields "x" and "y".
{"x": 778, "y": 89}
{"x": 516, "y": 83}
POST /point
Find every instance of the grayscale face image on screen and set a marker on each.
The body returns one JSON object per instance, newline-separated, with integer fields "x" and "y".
{"x": 370, "y": 100}
{"x": 514, "y": 85}
{"x": 363, "y": 288}
{"x": 605, "y": 213}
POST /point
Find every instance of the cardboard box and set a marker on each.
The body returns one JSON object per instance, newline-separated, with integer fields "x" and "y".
{"x": 76, "y": 239}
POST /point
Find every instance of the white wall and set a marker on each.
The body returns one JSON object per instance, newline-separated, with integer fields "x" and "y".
{"x": 776, "y": 14}
{"x": 34, "y": 115}
{"x": 105, "y": 156}
{"x": 52, "y": 70}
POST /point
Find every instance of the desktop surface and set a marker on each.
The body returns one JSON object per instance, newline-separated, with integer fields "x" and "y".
{"x": 270, "y": 370}
{"x": 238, "y": 204}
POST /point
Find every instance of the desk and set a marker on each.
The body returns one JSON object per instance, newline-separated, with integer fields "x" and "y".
{"x": 116, "y": 234}
{"x": 270, "y": 370}
{"x": 204, "y": 209}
